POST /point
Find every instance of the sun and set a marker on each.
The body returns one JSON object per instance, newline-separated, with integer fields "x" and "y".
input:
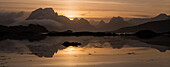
{"x": 71, "y": 17}
{"x": 71, "y": 14}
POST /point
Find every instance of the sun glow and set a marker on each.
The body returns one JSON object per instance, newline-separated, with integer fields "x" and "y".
{"x": 71, "y": 17}
{"x": 72, "y": 50}
{"x": 70, "y": 14}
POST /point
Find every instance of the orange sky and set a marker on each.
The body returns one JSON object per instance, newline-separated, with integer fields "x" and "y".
{"x": 92, "y": 8}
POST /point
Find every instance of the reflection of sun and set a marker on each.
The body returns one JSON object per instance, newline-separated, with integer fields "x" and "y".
{"x": 72, "y": 50}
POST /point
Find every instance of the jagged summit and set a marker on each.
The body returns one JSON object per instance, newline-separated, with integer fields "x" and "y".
{"x": 46, "y": 13}
{"x": 75, "y": 19}
{"x": 117, "y": 20}
{"x": 82, "y": 20}
{"x": 101, "y": 22}
{"x": 161, "y": 16}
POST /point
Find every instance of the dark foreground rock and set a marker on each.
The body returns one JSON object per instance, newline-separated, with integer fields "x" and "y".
{"x": 31, "y": 32}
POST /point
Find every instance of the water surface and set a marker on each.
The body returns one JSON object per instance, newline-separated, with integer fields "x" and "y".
{"x": 94, "y": 52}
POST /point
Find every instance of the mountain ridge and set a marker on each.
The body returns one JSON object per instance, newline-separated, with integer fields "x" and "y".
{"x": 156, "y": 26}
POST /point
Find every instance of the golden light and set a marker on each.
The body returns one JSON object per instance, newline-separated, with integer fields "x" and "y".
{"x": 71, "y": 14}
{"x": 72, "y": 50}
{"x": 71, "y": 17}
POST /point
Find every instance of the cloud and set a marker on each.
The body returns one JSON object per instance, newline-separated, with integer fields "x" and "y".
{"x": 18, "y": 18}
{"x": 51, "y": 25}
{"x": 7, "y": 18}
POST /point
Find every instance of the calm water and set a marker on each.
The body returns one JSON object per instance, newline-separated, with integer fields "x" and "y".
{"x": 94, "y": 52}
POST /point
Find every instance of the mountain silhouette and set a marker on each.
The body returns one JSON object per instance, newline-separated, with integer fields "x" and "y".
{"x": 84, "y": 25}
{"x": 156, "y": 26}
{"x": 101, "y": 24}
{"x": 137, "y": 21}
{"x": 114, "y": 24}
{"x": 117, "y": 20}
{"x": 80, "y": 25}
{"x": 47, "y": 13}
{"x": 75, "y": 25}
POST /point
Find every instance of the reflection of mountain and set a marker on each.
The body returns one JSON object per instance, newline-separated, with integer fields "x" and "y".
{"x": 159, "y": 42}
{"x": 137, "y": 21}
{"x": 30, "y": 37}
{"x": 157, "y": 26}
{"x": 50, "y": 45}
{"x": 43, "y": 50}
{"x": 12, "y": 46}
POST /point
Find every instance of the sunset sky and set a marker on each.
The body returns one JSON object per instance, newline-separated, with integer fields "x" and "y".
{"x": 91, "y": 8}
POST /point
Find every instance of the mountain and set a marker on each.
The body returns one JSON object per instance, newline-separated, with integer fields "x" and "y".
{"x": 75, "y": 25}
{"x": 47, "y": 13}
{"x": 101, "y": 24}
{"x": 114, "y": 24}
{"x": 117, "y": 20}
{"x": 156, "y": 26}
{"x": 137, "y": 21}
{"x": 81, "y": 25}
{"x": 76, "y": 20}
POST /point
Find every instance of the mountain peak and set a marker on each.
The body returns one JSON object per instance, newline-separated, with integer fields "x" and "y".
{"x": 75, "y": 19}
{"x": 82, "y": 20}
{"x": 117, "y": 20}
{"x": 162, "y": 15}
{"x": 102, "y": 22}
{"x": 46, "y": 13}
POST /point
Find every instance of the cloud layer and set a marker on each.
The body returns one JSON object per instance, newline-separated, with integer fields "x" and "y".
{"x": 7, "y": 18}
{"x": 51, "y": 25}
